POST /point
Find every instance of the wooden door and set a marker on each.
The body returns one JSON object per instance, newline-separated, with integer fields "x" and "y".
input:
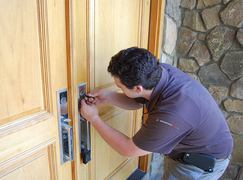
{"x": 101, "y": 28}
{"x": 33, "y": 67}
{"x": 116, "y": 25}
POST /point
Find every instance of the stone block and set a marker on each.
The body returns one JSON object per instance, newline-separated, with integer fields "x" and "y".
{"x": 206, "y": 3}
{"x": 193, "y": 20}
{"x": 219, "y": 40}
{"x": 232, "y": 15}
{"x": 211, "y": 17}
{"x": 172, "y": 9}
{"x": 237, "y": 155}
{"x": 234, "y": 105}
{"x": 236, "y": 124}
{"x": 188, "y": 65}
{"x": 237, "y": 89}
{"x": 239, "y": 36}
{"x": 231, "y": 172}
{"x": 226, "y": 1}
{"x": 240, "y": 175}
{"x": 236, "y": 46}
{"x": 200, "y": 52}
{"x": 218, "y": 92}
{"x": 211, "y": 74}
{"x": 202, "y": 36}
{"x": 166, "y": 59}
{"x": 194, "y": 76}
{"x": 232, "y": 65}
{"x": 170, "y": 35}
{"x": 186, "y": 38}
{"x": 189, "y": 4}
{"x": 226, "y": 114}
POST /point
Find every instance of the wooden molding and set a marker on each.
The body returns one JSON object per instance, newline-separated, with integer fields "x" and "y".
{"x": 156, "y": 26}
{"x": 70, "y": 82}
{"x": 24, "y": 123}
{"x": 44, "y": 149}
{"x": 44, "y": 54}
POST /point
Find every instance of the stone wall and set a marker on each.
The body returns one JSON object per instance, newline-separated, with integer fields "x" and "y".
{"x": 204, "y": 38}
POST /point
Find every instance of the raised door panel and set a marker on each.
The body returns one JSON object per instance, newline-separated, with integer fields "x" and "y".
{"x": 20, "y": 70}
{"x": 117, "y": 26}
{"x": 114, "y": 25}
{"x": 33, "y": 67}
{"x": 31, "y": 165}
{"x": 107, "y": 160}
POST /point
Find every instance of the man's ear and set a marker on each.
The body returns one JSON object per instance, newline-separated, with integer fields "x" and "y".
{"x": 138, "y": 88}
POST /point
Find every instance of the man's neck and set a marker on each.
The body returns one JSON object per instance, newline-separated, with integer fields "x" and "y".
{"x": 147, "y": 94}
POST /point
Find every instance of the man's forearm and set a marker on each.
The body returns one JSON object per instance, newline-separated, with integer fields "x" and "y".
{"x": 117, "y": 140}
{"x": 124, "y": 102}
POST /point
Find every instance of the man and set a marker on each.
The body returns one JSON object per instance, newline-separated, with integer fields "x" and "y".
{"x": 184, "y": 122}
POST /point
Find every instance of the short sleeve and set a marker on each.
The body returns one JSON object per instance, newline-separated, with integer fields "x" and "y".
{"x": 161, "y": 133}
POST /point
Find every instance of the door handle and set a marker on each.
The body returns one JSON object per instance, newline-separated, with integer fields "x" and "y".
{"x": 65, "y": 129}
{"x": 84, "y": 129}
{"x": 67, "y": 141}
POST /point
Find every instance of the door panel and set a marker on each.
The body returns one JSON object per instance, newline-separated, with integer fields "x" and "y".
{"x": 116, "y": 28}
{"x": 114, "y": 25}
{"x": 30, "y": 166}
{"x": 105, "y": 156}
{"x": 21, "y": 85}
{"x": 33, "y": 67}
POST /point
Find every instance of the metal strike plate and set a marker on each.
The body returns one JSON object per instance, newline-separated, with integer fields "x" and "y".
{"x": 65, "y": 130}
{"x": 84, "y": 129}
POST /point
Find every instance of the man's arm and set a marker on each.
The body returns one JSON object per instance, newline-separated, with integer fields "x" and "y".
{"x": 105, "y": 96}
{"x": 124, "y": 102}
{"x": 117, "y": 140}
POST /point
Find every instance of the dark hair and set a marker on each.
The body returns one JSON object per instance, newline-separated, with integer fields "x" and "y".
{"x": 136, "y": 66}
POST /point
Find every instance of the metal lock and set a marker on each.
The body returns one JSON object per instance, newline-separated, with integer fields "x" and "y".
{"x": 84, "y": 126}
{"x": 65, "y": 129}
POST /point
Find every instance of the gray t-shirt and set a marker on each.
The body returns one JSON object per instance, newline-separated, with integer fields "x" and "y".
{"x": 183, "y": 117}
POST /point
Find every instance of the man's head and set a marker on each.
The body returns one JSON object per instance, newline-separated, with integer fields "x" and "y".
{"x": 134, "y": 70}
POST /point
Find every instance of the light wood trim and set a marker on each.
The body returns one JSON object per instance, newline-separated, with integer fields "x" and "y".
{"x": 44, "y": 54}
{"x": 144, "y": 23}
{"x": 117, "y": 169}
{"x": 26, "y": 157}
{"x": 24, "y": 123}
{"x": 125, "y": 163}
{"x": 80, "y": 74}
{"x": 156, "y": 26}
{"x": 91, "y": 73}
{"x": 70, "y": 84}
{"x": 91, "y": 43}
{"x": 10, "y": 119}
{"x": 52, "y": 161}
{"x": 18, "y": 163}
{"x": 154, "y": 46}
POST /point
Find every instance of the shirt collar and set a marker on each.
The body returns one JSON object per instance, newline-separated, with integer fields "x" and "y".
{"x": 158, "y": 90}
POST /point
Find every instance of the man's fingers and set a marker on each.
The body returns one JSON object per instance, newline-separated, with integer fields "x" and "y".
{"x": 83, "y": 103}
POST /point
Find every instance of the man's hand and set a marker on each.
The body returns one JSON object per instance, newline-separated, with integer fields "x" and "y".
{"x": 89, "y": 112}
{"x": 102, "y": 96}
{"x": 119, "y": 141}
